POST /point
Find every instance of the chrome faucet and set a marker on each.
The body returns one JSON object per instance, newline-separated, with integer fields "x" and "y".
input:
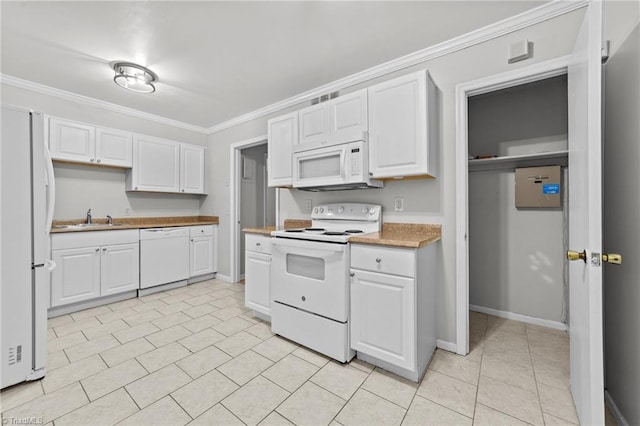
{"x": 109, "y": 220}
{"x": 89, "y": 219}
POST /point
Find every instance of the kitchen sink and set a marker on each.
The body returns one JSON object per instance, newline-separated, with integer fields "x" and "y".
{"x": 86, "y": 225}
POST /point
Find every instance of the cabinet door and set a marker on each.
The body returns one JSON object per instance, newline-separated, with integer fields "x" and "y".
{"x": 383, "y": 322}
{"x": 76, "y": 276}
{"x": 348, "y": 117}
{"x": 314, "y": 124}
{"x": 257, "y": 284}
{"x": 192, "y": 169}
{"x": 398, "y": 127}
{"x": 71, "y": 141}
{"x": 114, "y": 147}
{"x": 201, "y": 256}
{"x": 119, "y": 268}
{"x": 283, "y": 134}
{"x": 156, "y": 165}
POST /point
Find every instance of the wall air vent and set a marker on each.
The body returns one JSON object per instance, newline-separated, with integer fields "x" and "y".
{"x": 325, "y": 98}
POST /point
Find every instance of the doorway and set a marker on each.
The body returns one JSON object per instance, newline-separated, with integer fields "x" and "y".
{"x": 253, "y": 202}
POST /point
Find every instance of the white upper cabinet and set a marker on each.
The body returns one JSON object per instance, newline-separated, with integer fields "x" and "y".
{"x": 83, "y": 143}
{"x": 192, "y": 169}
{"x": 340, "y": 120}
{"x": 402, "y": 127}
{"x": 161, "y": 165}
{"x": 156, "y": 165}
{"x": 283, "y": 135}
{"x": 71, "y": 141}
{"x": 114, "y": 147}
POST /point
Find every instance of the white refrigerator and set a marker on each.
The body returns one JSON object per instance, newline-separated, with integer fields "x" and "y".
{"x": 26, "y": 212}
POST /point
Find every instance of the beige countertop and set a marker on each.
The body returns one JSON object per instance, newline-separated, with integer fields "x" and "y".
{"x": 409, "y": 235}
{"x": 288, "y": 224}
{"x": 134, "y": 223}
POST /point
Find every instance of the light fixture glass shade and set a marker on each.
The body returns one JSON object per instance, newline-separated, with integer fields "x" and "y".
{"x": 134, "y": 77}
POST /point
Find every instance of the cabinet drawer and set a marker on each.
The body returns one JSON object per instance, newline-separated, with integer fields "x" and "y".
{"x": 258, "y": 243}
{"x": 387, "y": 260}
{"x": 201, "y": 231}
{"x": 72, "y": 240}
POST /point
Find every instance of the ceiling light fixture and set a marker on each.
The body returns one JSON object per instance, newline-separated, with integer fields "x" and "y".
{"x": 134, "y": 77}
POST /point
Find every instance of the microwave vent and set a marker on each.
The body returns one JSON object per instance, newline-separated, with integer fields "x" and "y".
{"x": 324, "y": 98}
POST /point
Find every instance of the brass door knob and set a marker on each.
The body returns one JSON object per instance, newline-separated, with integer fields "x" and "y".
{"x": 616, "y": 259}
{"x": 576, "y": 255}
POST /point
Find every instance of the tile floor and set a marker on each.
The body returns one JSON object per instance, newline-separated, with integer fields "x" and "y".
{"x": 195, "y": 355}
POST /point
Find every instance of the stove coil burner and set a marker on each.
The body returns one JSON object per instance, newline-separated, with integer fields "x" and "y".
{"x": 334, "y": 233}
{"x": 353, "y": 231}
{"x": 294, "y": 230}
{"x": 314, "y": 230}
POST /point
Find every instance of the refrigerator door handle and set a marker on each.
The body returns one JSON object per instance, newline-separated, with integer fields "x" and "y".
{"x": 51, "y": 187}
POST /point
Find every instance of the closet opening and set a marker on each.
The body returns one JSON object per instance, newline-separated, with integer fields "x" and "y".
{"x": 518, "y": 229}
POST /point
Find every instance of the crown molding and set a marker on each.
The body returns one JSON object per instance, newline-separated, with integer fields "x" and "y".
{"x": 523, "y": 20}
{"x": 85, "y": 100}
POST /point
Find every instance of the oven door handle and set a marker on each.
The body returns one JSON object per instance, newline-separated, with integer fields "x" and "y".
{"x": 297, "y": 246}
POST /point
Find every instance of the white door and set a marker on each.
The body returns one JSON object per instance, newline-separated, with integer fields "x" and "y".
{"x": 314, "y": 124}
{"x": 76, "y": 276}
{"x": 71, "y": 141}
{"x": 585, "y": 219}
{"x": 283, "y": 134}
{"x": 383, "y": 317}
{"x": 156, "y": 165}
{"x": 119, "y": 268}
{"x": 191, "y": 169}
{"x": 114, "y": 147}
{"x": 348, "y": 118}
{"x": 201, "y": 256}
{"x": 257, "y": 285}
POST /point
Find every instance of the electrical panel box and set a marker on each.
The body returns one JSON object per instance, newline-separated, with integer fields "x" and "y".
{"x": 538, "y": 187}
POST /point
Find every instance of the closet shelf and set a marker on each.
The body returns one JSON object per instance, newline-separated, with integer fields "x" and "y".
{"x": 553, "y": 158}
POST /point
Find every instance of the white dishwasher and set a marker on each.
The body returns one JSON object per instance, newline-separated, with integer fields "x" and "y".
{"x": 164, "y": 256}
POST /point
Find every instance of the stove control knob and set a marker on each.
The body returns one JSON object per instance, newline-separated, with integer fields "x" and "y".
{"x": 365, "y": 210}
{"x": 372, "y": 212}
{"x": 341, "y": 209}
{"x": 329, "y": 210}
{"x": 321, "y": 210}
{"x": 315, "y": 210}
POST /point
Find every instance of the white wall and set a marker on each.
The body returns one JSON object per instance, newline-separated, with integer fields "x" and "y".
{"x": 516, "y": 255}
{"x": 621, "y": 227}
{"x": 427, "y": 201}
{"x": 79, "y": 188}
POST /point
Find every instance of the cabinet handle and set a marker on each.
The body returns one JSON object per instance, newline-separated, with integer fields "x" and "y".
{"x": 192, "y": 239}
{"x": 378, "y": 260}
{"x": 183, "y": 190}
{"x": 98, "y": 160}
{"x": 104, "y": 249}
{"x": 258, "y": 244}
{"x": 352, "y": 274}
{"x": 97, "y": 250}
{"x": 135, "y": 187}
{"x": 92, "y": 159}
{"x": 370, "y": 173}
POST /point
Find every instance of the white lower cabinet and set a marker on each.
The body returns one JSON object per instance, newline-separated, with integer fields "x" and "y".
{"x": 76, "y": 276}
{"x": 119, "y": 268}
{"x": 202, "y": 258}
{"x": 256, "y": 273}
{"x": 383, "y": 317}
{"x": 93, "y": 264}
{"x": 393, "y": 307}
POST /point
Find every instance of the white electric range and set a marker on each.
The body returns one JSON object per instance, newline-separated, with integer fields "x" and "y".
{"x": 310, "y": 277}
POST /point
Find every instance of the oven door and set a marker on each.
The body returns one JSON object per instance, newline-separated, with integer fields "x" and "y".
{"x": 311, "y": 276}
{"x": 319, "y": 167}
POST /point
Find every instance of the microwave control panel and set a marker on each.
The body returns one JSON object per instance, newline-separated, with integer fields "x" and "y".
{"x": 356, "y": 161}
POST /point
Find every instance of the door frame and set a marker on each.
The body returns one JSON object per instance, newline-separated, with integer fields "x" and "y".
{"x": 235, "y": 157}
{"x": 529, "y": 74}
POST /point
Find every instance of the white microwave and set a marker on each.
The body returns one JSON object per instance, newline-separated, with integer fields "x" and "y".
{"x": 333, "y": 168}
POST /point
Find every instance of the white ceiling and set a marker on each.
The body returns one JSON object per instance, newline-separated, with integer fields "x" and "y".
{"x": 218, "y": 60}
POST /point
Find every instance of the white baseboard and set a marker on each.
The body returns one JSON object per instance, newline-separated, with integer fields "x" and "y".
{"x": 519, "y": 317}
{"x": 446, "y": 346}
{"x": 615, "y": 410}
{"x": 224, "y": 278}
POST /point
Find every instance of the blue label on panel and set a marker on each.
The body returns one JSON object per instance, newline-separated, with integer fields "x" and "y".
{"x": 550, "y": 188}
